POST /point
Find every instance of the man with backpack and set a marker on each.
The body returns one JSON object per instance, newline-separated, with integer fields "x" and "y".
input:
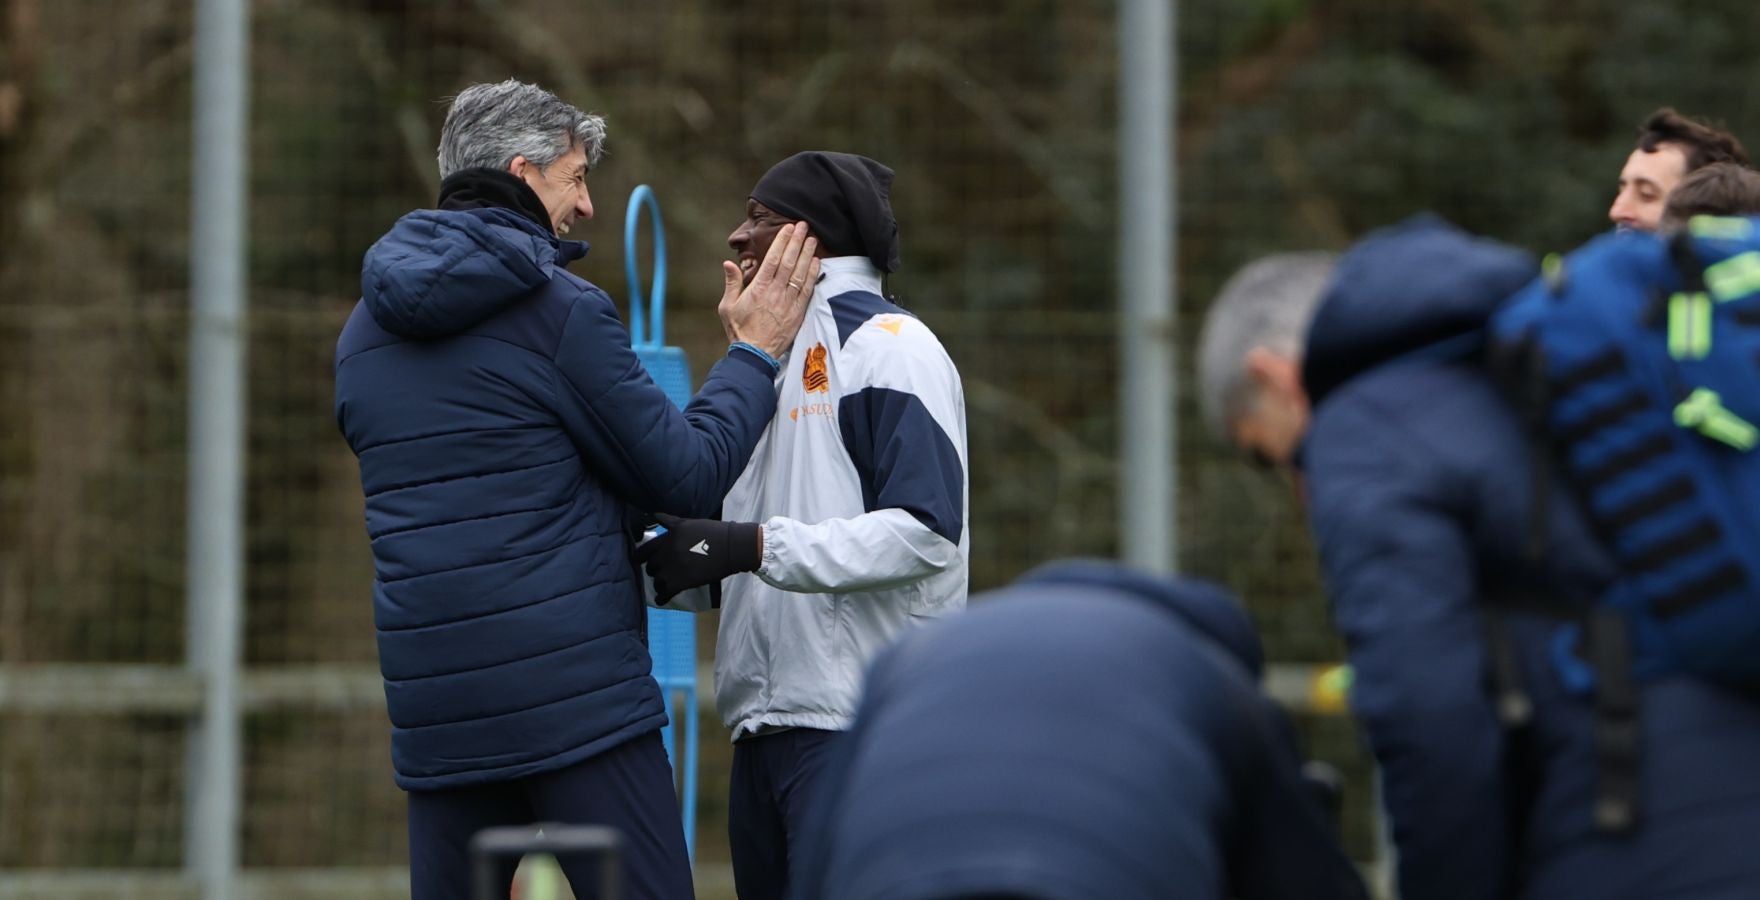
{"x": 1719, "y": 189}
{"x": 1529, "y": 745}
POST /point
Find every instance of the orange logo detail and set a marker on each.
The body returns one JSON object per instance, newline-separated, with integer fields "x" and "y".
{"x": 890, "y": 323}
{"x": 813, "y": 373}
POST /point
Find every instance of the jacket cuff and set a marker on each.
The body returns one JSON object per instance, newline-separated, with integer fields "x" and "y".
{"x": 744, "y": 553}
{"x": 753, "y": 356}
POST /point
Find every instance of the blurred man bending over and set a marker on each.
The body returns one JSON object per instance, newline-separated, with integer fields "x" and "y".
{"x": 1086, "y": 732}
{"x": 1418, "y": 481}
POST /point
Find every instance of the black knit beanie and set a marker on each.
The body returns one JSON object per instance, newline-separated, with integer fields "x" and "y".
{"x": 842, "y": 196}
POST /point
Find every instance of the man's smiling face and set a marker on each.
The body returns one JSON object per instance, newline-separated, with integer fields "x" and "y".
{"x": 752, "y": 239}
{"x": 560, "y": 186}
{"x": 1644, "y": 185}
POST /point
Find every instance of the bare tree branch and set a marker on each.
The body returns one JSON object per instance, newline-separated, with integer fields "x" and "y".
{"x": 412, "y": 127}
{"x": 1076, "y": 464}
{"x": 150, "y": 84}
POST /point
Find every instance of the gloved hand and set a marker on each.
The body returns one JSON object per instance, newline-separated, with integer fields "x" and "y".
{"x": 694, "y": 552}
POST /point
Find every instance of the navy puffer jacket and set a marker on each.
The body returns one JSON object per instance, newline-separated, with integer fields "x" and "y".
{"x": 503, "y": 426}
{"x": 1087, "y": 732}
{"x": 1418, "y": 474}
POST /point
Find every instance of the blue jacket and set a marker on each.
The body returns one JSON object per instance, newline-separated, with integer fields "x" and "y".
{"x": 1418, "y": 479}
{"x": 503, "y": 426}
{"x": 1088, "y": 732}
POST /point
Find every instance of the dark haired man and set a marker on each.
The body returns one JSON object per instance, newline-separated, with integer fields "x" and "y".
{"x": 1670, "y": 145}
{"x": 1720, "y": 189}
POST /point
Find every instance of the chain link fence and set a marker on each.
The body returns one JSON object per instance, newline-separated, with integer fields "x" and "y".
{"x": 1301, "y": 125}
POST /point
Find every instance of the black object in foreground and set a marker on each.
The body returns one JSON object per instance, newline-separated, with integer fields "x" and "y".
{"x": 492, "y": 845}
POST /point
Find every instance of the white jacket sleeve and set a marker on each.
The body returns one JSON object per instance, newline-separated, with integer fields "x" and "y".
{"x": 882, "y": 549}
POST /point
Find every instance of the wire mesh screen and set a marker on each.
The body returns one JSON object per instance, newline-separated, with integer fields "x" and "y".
{"x": 89, "y": 791}
{"x": 93, "y": 277}
{"x": 93, "y": 174}
{"x": 1302, "y": 125}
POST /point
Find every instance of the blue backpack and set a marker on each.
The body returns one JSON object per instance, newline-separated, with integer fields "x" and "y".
{"x": 1638, "y": 362}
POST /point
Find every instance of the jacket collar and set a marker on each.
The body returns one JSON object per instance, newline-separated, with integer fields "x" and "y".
{"x": 485, "y": 188}
{"x": 843, "y": 274}
{"x": 1202, "y": 605}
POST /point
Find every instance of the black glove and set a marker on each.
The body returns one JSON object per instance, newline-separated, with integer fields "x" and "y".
{"x": 695, "y": 552}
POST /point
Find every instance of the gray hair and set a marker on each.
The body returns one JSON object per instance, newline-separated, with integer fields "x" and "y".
{"x": 1268, "y": 303}
{"x": 490, "y": 124}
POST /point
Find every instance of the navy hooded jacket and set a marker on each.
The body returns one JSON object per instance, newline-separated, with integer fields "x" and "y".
{"x": 1088, "y": 732}
{"x": 503, "y": 425}
{"x": 1418, "y": 478}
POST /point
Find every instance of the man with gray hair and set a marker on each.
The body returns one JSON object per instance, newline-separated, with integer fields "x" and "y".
{"x": 1361, "y": 373}
{"x": 506, "y": 432}
{"x": 1249, "y": 360}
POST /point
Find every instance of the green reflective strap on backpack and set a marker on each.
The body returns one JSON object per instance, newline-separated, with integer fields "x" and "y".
{"x": 1703, "y": 412}
{"x": 1689, "y": 326}
{"x": 1735, "y": 277}
{"x": 1552, "y": 269}
{"x": 1721, "y": 228}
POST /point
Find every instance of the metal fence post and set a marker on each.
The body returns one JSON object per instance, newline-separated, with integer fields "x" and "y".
{"x": 215, "y": 529}
{"x": 1149, "y": 478}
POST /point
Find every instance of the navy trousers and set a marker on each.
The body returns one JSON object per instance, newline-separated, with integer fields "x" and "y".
{"x": 628, "y": 787}
{"x": 770, "y": 794}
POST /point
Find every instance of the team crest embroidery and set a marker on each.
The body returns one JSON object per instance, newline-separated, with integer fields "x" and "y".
{"x": 813, "y": 374}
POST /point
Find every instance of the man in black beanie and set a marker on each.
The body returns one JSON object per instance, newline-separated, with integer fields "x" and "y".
{"x": 840, "y": 191}
{"x": 848, "y": 525}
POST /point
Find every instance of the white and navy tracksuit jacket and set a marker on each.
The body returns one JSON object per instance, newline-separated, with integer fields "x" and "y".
{"x": 861, "y": 486}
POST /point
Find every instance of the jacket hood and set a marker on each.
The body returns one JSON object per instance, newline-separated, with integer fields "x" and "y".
{"x": 1202, "y": 605}
{"x": 1403, "y": 288}
{"x": 439, "y": 272}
